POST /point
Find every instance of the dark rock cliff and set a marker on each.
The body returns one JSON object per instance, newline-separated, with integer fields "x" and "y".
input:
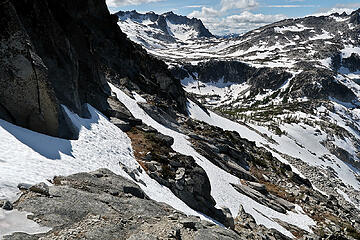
{"x": 70, "y": 50}
{"x": 320, "y": 84}
{"x": 213, "y": 71}
{"x": 26, "y": 96}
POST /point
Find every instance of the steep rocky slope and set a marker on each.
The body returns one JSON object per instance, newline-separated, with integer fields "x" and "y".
{"x": 279, "y": 170}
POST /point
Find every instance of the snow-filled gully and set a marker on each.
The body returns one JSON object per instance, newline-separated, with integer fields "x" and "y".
{"x": 221, "y": 189}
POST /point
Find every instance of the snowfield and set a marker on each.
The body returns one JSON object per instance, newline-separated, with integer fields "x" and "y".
{"x": 227, "y": 91}
{"x": 30, "y": 157}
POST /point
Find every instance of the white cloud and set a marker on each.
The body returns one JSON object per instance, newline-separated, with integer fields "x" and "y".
{"x": 348, "y": 5}
{"x": 193, "y": 6}
{"x": 338, "y": 8}
{"x": 248, "y": 17}
{"x": 119, "y": 3}
{"x": 221, "y": 21}
{"x": 293, "y": 6}
{"x": 237, "y": 4}
{"x": 205, "y": 13}
{"x": 239, "y": 23}
{"x": 225, "y": 6}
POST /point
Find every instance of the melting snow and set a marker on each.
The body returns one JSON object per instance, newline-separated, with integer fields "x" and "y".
{"x": 324, "y": 35}
{"x": 326, "y": 62}
{"x": 346, "y": 197}
{"x": 225, "y": 92}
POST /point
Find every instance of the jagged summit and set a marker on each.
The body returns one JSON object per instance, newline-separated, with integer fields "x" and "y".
{"x": 168, "y": 27}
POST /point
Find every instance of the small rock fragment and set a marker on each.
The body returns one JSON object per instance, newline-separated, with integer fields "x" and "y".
{"x": 24, "y": 186}
{"x": 8, "y": 206}
{"x": 41, "y": 188}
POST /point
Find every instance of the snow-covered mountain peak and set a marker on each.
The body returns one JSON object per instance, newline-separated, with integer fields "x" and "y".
{"x": 167, "y": 27}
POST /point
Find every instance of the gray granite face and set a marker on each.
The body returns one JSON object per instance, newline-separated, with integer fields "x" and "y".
{"x": 65, "y": 53}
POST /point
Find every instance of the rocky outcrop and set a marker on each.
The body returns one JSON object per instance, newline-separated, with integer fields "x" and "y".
{"x": 214, "y": 71}
{"x": 352, "y": 62}
{"x": 63, "y": 39}
{"x": 180, "y": 173}
{"x": 120, "y": 116}
{"x": 267, "y": 78}
{"x": 320, "y": 84}
{"x": 102, "y": 205}
{"x": 246, "y": 224}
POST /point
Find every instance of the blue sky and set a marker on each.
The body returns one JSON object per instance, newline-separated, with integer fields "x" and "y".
{"x": 236, "y": 16}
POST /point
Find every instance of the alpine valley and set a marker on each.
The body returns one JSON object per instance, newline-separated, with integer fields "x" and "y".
{"x": 148, "y": 126}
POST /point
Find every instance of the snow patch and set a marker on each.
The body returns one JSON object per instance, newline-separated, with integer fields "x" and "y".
{"x": 346, "y": 197}
{"x": 324, "y": 35}
{"x": 348, "y": 50}
{"x": 295, "y": 28}
{"x": 181, "y": 31}
{"x": 15, "y": 221}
